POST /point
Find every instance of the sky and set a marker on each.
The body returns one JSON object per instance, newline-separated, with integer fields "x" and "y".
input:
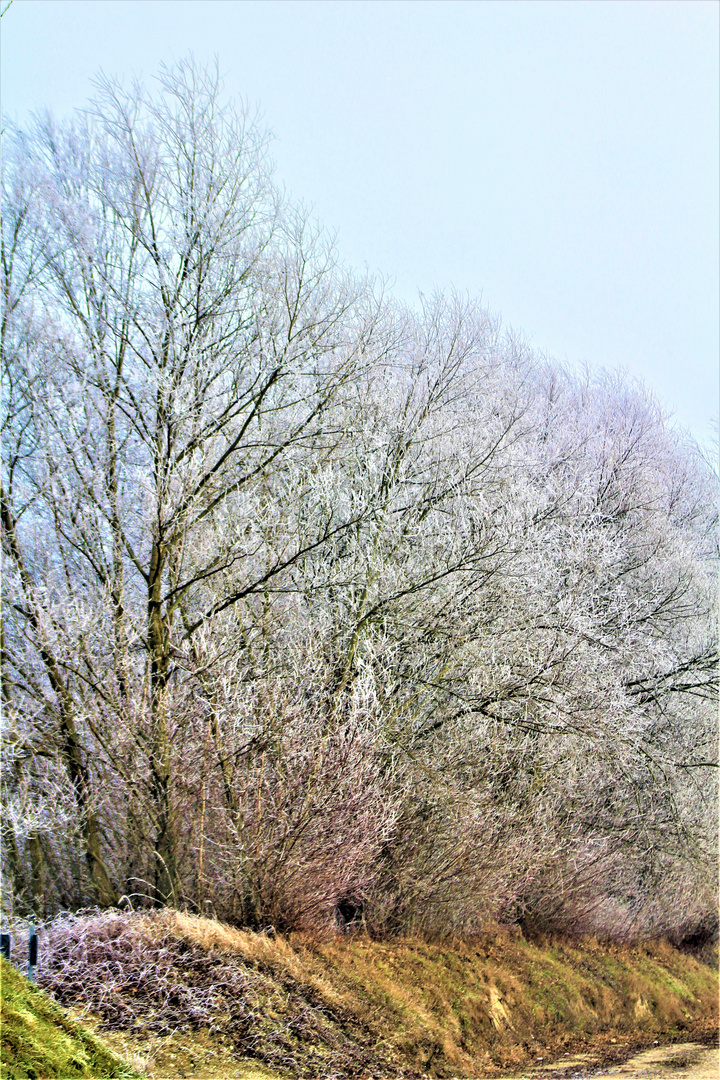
{"x": 558, "y": 158}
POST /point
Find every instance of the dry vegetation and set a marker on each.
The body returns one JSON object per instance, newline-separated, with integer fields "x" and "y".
{"x": 191, "y": 991}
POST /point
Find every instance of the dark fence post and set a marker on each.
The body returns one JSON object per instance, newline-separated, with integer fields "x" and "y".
{"x": 32, "y": 953}
{"x": 5, "y": 946}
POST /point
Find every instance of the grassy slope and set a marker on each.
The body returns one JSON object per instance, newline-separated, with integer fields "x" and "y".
{"x": 502, "y": 1000}
{"x": 352, "y": 1007}
{"x": 40, "y": 1040}
{"x": 197, "y": 998}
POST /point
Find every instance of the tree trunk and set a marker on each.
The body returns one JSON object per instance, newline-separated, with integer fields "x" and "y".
{"x": 37, "y": 884}
{"x": 71, "y": 749}
{"x": 160, "y": 768}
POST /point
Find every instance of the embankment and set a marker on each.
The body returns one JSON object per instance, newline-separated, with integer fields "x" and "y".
{"x": 201, "y": 999}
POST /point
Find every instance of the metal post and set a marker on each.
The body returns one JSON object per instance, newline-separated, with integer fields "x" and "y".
{"x": 32, "y": 953}
{"x": 5, "y": 946}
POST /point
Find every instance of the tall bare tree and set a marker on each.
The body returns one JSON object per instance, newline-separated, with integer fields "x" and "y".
{"x": 178, "y": 336}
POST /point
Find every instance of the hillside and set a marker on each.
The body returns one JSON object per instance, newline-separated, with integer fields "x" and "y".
{"x": 195, "y": 997}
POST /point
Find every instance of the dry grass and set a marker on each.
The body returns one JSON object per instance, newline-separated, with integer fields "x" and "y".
{"x": 352, "y": 1007}
{"x": 165, "y": 974}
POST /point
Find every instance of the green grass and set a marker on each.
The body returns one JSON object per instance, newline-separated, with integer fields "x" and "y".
{"x": 39, "y": 1040}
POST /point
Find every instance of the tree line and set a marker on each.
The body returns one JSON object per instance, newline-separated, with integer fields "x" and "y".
{"x": 320, "y": 608}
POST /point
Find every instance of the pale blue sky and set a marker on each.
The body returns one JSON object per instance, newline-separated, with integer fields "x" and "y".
{"x": 559, "y": 158}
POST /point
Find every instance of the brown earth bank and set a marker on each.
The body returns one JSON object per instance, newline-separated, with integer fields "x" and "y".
{"x": 182, "y": 996}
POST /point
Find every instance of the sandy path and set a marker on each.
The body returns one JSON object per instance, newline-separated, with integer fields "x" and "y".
{"x": 683, "y": 1061}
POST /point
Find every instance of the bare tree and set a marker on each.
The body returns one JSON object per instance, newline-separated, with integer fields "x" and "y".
{"x": 180, "y": 335}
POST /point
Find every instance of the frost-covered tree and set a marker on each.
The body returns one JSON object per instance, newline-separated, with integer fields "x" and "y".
{"x": 315, "y": 602}
{"x": 175, "y": 335}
